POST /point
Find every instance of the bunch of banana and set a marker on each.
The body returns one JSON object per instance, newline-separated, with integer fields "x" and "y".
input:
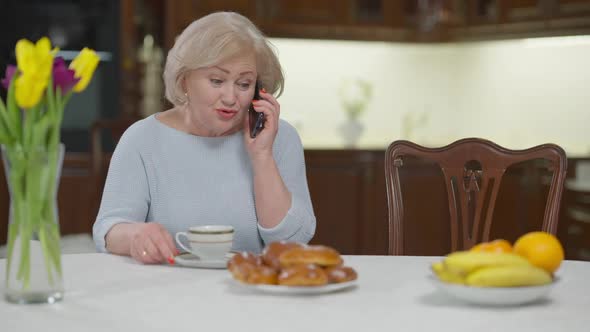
{"x": 487, "y": 269}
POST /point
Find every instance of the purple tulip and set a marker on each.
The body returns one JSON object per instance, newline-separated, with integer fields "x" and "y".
{"x": 10, "y": 70}
{"x": 62, "y": 76}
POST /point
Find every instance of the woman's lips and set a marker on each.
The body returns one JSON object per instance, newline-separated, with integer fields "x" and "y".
{"x": 226, "y": 114}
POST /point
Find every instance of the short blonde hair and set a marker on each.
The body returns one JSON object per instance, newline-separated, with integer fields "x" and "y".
{"x": 213, "y": 39}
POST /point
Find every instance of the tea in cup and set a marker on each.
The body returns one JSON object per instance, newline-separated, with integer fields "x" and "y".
{"x": 208, "y": 242}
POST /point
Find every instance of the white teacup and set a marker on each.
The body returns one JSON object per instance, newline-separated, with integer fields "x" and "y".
{"x": 209, "y": 242}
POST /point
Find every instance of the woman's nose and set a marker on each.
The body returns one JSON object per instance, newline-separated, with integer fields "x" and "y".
{"x": 228, "y": 95}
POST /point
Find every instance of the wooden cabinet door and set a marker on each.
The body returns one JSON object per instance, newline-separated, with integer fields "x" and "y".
{"x": 389, "y": 20}
{"x": 572, "y": 8}
{"x": 534, "y": 10}
{"x": 348, "y": 194}
{"x": 500, "y": 19}
{"x": 326, "y": 19}
{"x": 525, "y": 10}
{"x": 180, "y": 13}
{"x": 303, "y": 12}
{"x": 332, "y": 19}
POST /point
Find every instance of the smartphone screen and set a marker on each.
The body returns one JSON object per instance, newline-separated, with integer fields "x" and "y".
{"x": 256, "y": 119}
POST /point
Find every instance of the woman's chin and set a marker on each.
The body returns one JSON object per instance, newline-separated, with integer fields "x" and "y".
{"x": 226, "y": 129}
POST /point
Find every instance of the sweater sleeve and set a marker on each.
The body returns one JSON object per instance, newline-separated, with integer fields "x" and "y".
{"x": 126, "y": 196}
{"x": 299, "y": 223}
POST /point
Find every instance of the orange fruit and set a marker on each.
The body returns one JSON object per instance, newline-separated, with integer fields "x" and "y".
{"x": 541, "y": 249}
{"x": 499, "y": 245}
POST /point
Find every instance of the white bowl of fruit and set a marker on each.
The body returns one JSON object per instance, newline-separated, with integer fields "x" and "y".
{"x": 497, "y": 273}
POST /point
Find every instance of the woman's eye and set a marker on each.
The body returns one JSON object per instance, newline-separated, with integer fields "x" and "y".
{"x": 244, "y": 86}
{"x": 216, "y": 81}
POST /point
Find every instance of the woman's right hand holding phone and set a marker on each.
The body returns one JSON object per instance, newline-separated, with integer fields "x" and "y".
{"x": 262, "y": 144}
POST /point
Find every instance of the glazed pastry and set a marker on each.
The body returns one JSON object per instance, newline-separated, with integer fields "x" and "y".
{"x": 241, "y": 264}
{"x": 338, "y": 274}
{"x": 243, "y": 257}
{"x": 291, "y": 264}
{"x": 320, "y": 255}
{"x": 262, "y": 274}
{"x": 270, "y": 254}
{"x": 242, "y": 271}
{"x": 303, "y": 275}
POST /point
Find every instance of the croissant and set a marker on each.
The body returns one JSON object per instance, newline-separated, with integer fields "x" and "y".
{"x": 303, "y": 275}
{"x": 338, "y": 274}
{"x": 320, "y": 255}
{"x": 272, "y": 252}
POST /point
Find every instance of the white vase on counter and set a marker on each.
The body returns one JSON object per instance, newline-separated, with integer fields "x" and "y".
{"x": 351, "y": 131}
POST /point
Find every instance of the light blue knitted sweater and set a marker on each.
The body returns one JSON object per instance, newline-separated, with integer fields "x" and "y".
{"x": 160, "y": 174}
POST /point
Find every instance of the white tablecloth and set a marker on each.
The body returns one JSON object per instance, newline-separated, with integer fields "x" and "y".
{"x": 111, "y": 293}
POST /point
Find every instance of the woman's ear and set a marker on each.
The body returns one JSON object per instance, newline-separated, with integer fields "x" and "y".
{"x": 183, "y": 84}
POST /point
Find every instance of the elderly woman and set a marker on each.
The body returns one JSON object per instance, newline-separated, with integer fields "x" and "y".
{"x": 196, "y": 164}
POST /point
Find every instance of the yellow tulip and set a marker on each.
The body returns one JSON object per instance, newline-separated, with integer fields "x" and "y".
{"x": 84, "y": 65}
{"x": 34, "y": 62}
{"x": 28, "y": 90}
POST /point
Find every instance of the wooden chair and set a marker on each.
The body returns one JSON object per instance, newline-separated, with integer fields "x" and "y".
{"x": 458, "y": 208}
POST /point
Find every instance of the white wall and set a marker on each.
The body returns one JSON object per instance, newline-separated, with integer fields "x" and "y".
{"x": 517, "y": 93}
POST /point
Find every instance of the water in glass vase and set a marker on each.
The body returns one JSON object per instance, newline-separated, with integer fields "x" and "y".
{"x": 33, "y": 261}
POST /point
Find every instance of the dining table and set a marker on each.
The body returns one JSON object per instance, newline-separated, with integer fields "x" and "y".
{"x": 105, "y": 292}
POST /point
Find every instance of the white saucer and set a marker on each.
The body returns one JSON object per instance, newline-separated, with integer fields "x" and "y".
{"x": 190, "y": 260}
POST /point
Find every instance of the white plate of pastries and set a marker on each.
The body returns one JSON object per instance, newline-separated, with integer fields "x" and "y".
{"x": 292, "y": 268}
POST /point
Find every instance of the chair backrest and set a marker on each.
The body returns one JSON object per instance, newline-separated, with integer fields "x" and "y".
{"x": 472, "y": 169}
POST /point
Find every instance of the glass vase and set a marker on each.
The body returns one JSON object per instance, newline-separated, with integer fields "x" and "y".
{"x": 351, "y": 132}
{"x": 33, "y": 258}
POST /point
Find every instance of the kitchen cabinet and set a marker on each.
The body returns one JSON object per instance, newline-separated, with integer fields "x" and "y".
{"x": 395, "y": 21}
{"x": 574, "y": 220}
{"x": 333, "y": 19}
{"x": 348, "y": 193}
{"x": 325, "y": 19}
{"x": 501, "y": 19}
{"x": 180, "y": 13}
{"x": 575, "y": 224}
{"x": 347, "y": 189}
{"x": 349, "y": 196}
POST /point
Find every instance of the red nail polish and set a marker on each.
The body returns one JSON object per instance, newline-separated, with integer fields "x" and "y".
{"x": 171, "y": 260}
{"x": 263, "y": 90}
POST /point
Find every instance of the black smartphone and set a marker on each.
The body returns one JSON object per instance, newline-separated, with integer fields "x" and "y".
{"x": 256, "y": 119}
